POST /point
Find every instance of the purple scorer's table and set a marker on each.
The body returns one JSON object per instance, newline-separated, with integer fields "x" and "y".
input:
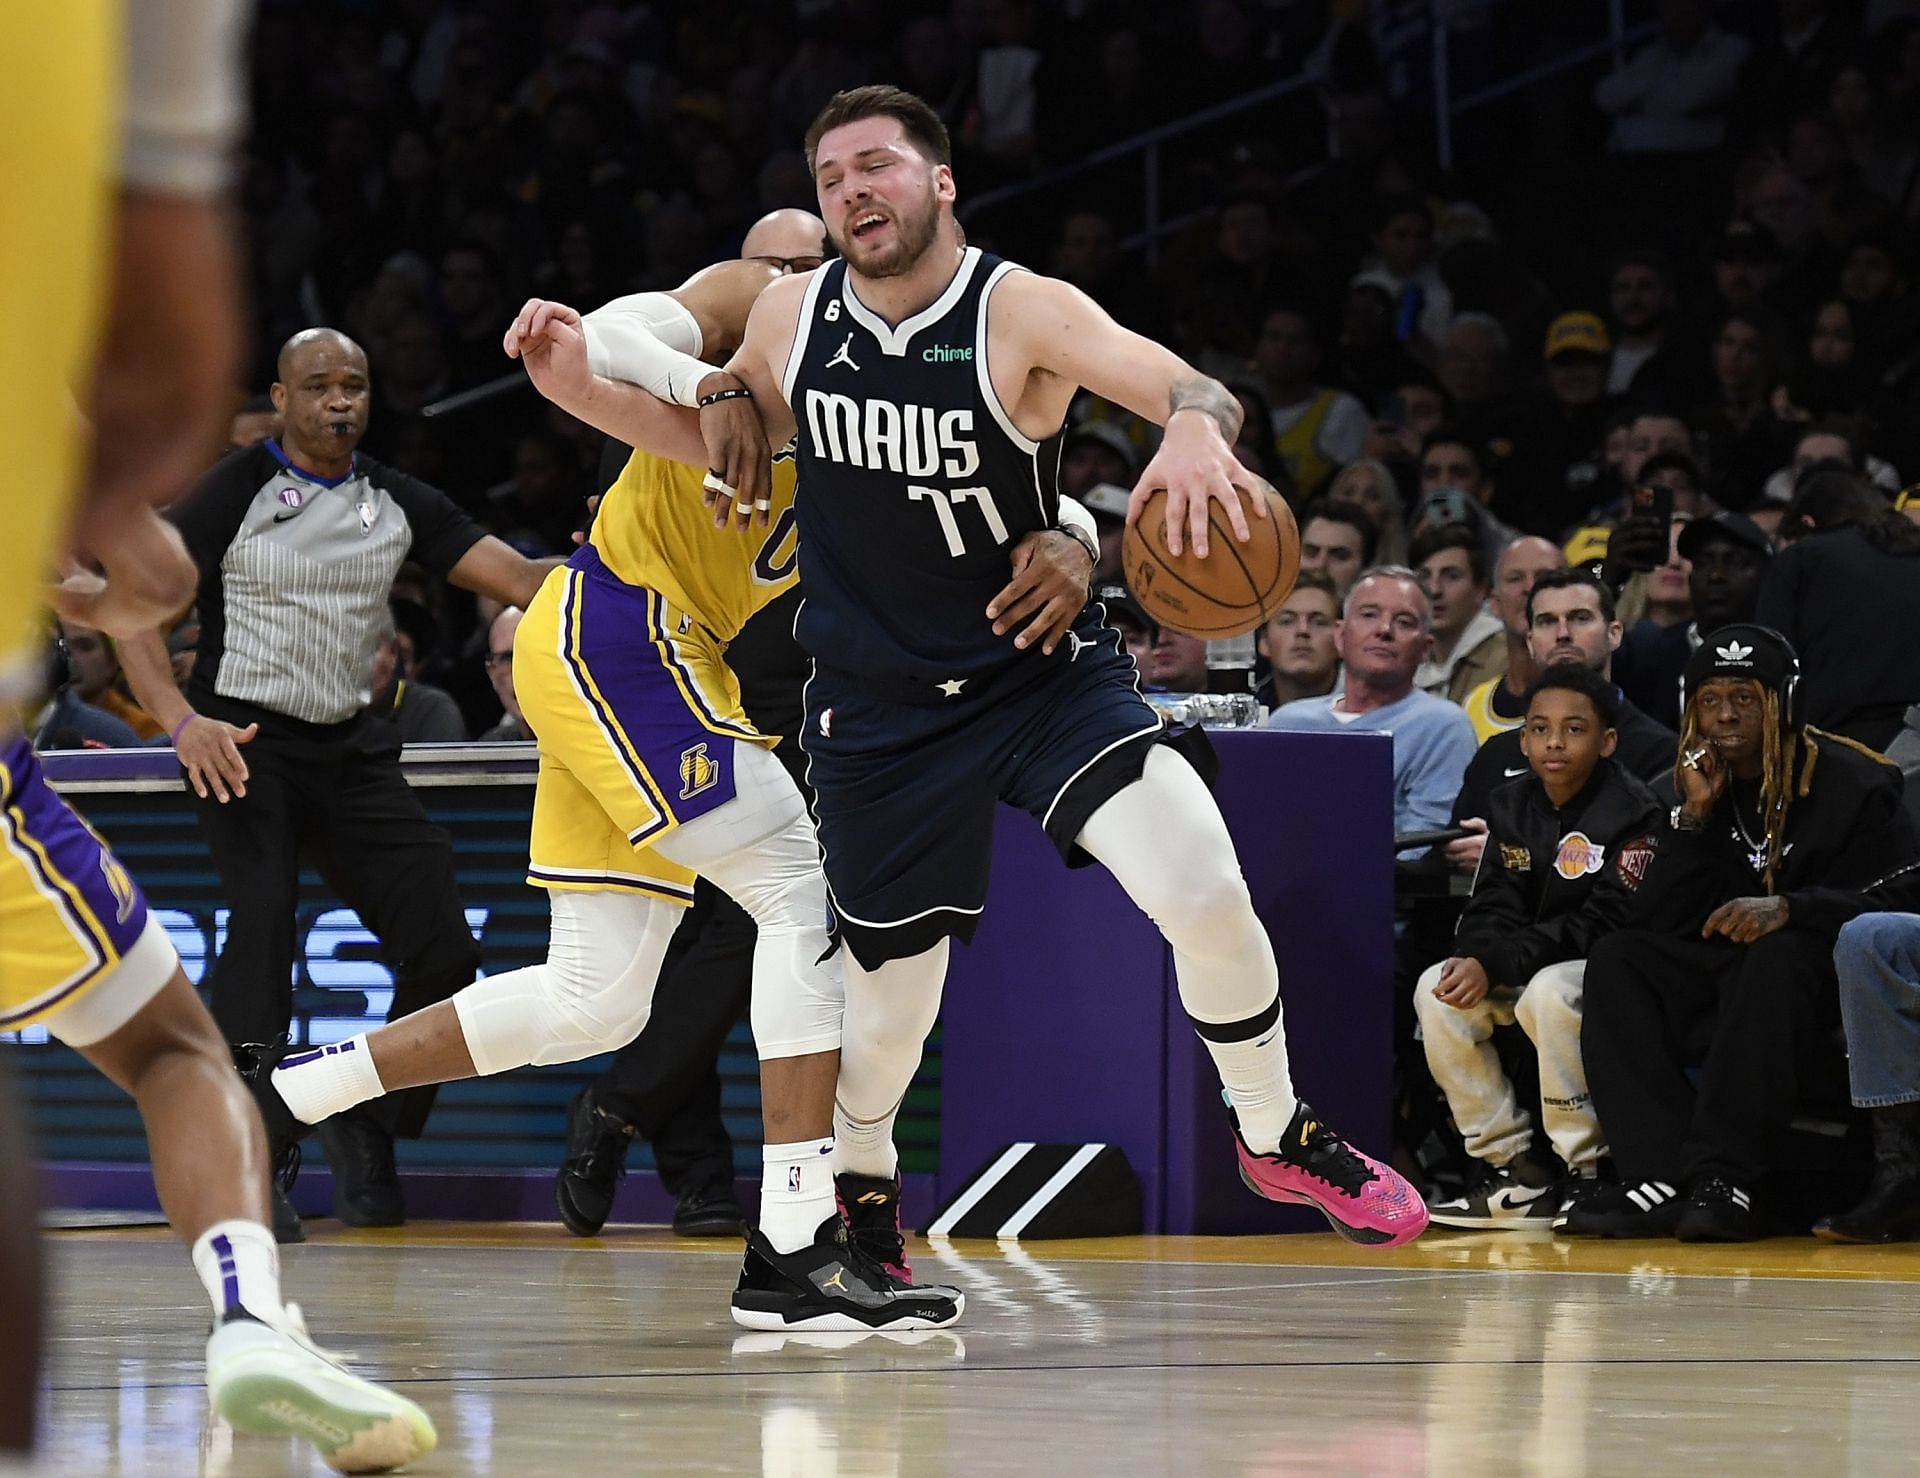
{"x": 1062, "y": 1023}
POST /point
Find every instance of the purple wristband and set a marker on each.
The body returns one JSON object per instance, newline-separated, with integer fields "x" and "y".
{"x": 181, "y": 728}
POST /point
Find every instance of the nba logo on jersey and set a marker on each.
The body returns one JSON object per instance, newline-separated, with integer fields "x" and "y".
{"x": 793, "y": 1178}
{"x": 365, "y": 510}
{"x": 697, "y": 772}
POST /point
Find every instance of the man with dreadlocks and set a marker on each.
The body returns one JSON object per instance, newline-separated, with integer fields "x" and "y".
{"x": 1768, "y": 806}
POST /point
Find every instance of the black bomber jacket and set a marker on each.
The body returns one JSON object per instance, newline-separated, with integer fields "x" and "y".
{"x": 1554, "y": 879}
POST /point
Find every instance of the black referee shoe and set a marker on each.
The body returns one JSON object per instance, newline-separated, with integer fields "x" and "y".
{"x": 597, "y": 1144}
{"x": 709, "y": 1211}
{"x": 255, "y": 1062}
{"x": 832, "y": 1284}
{"x": 366, "y": 1184}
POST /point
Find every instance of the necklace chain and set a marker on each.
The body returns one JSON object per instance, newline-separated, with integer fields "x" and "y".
{"x": 1756, "y": 850}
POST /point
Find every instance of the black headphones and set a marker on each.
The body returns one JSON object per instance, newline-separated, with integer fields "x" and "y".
{"x": 1729, "y": 639}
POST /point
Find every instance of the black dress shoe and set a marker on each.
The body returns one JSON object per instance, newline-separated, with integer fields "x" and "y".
{"x": 709, "y": 1211}
{"x": 255, "y": 1062}
{"x": 366, "y": 1186}
{"x": 1890, "y": 1211}
{"x": 596, "y": 1159}
{"x": 288, "y": 1229}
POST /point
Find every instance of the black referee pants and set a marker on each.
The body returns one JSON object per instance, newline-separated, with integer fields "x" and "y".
{"x": 666, "y": 1081}
{"x": 1749, "y": 1016}
{"x": 333, "y": 794}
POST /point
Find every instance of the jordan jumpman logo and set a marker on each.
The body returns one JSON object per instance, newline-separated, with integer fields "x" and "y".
{"x": 843, "y": 356}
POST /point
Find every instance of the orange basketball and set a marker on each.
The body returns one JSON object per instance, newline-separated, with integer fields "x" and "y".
{"x": 1230, "y": 592}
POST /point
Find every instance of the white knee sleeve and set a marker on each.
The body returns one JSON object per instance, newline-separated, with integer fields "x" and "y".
{"x": 760, "y": 850}
{"x": 889, "y": 1013}
{"x": 592, "y": 993}
{"x": 1165, "y": 842}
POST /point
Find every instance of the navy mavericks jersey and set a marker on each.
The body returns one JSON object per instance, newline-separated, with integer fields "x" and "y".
{"x": 914, "y": 486}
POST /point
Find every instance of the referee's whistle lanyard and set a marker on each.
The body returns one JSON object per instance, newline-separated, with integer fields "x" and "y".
{"x": 280, "y": 456}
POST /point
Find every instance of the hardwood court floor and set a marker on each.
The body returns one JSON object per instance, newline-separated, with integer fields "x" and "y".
{"x": 1469, "y": 1354}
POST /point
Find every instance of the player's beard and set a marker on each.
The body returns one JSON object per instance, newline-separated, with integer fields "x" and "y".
{"x": 913, "y": 238}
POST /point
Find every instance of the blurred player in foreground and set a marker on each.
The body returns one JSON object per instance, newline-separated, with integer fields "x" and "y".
{"x": 147, "y": 343}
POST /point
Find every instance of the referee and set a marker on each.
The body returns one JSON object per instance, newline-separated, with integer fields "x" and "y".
{"x": 297, "y": 540}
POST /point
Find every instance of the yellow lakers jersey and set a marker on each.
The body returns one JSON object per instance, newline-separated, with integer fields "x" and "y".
{"x": 59, "y": 139}
{"x": 654, "y": 529}
{"x": 1479, "y": 706}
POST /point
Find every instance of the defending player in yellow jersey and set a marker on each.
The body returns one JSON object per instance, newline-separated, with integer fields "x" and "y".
{"x": 621, "y": 673}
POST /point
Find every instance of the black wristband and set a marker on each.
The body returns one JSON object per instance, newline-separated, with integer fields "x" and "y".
{"x": 1079, "y": 536}
{"x": 732, "y": 392}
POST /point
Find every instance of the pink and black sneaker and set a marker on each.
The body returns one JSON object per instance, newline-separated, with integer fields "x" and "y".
{"x": 1366, "y": 1202}
{"x": 871, "y": 1205}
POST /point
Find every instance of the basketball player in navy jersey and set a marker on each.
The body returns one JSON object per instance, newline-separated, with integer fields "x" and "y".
{"x": 925, "y": 384}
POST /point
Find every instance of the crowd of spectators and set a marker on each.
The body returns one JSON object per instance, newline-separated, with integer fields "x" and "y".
{"x": 1672, "y": 339}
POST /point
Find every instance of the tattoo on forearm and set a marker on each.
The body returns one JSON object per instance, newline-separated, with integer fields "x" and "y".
{"x": 1202, "y": 394}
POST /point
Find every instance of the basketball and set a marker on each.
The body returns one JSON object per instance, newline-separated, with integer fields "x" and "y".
{"x": 1230, "y": 592}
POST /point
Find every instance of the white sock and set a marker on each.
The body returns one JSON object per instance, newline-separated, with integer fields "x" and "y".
{"x": 239, "y": 1266}
{"x": 865, "y": 1146}
{"x": 796, "y": 1192}
{"x": 1253, "y": 1070}
{"x": 319, "y": 1084}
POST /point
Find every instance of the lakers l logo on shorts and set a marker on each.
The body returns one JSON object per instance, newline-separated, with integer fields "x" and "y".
{"x": 697, "y": 772}
{"x": 120, "y": 885}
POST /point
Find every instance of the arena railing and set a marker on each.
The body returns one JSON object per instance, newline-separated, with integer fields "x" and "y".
{"x": 1150, "y": 145}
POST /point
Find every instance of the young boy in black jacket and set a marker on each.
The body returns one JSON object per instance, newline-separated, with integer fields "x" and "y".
{"x": 1566, "y": 847}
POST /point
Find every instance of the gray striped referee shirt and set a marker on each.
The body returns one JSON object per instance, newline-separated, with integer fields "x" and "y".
{"x": 295, "y": 573}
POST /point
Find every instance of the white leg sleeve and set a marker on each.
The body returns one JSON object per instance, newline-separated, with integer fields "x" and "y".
{"x": 591, "y": 994}
{"x": 1164, "y": 840}
{"x": 889, "y": 1013}
{"x": 760, "y": 850}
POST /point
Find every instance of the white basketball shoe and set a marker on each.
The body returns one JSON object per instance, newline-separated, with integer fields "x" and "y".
{"x": 274, "y": 1381}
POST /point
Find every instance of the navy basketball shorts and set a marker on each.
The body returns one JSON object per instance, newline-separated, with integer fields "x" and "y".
{"x": 905, "y": 792}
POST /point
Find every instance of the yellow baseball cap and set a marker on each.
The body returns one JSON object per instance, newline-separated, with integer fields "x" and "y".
{"x": 1588, "y": 545}
{"x": 1577, "y": 333}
